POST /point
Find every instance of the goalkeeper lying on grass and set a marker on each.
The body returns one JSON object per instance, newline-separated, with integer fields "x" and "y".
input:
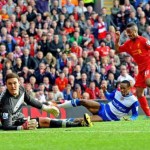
{"x": 120, "y": 103}
{"x": 11, "y": 102}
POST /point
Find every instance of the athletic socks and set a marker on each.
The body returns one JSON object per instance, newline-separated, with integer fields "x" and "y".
{"x": 144, "y": 105}
{"x": 71, "y": 103}
{"x": 63, "y": 124}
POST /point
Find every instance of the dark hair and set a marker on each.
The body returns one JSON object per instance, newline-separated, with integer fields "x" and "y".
{"x": 131, "y": 24}
{"x": 11, "y": 75}
{"x": 126, "y": 82}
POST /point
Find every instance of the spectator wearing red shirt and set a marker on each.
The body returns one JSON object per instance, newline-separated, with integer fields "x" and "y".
{"x": 76, "y": 49}
{"x": 68, "y": 28}
{"x": 93, "y": 91}
{"x": 88, "y": 34}
{"x": 138, "y": 47}
{"x": 103, "y": 49}
{"x": 2, "y": 3}
{"x": 61, "y": 81}
{"x": 102, "y": 31}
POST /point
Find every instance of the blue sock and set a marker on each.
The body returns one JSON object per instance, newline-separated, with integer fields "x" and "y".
{"x": 75, "y": 102}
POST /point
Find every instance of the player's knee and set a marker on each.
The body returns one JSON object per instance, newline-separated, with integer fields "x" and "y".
{"x": 139, "y": 94}
{"x": 82, "y": 102}
{"x": 148, "y": 82}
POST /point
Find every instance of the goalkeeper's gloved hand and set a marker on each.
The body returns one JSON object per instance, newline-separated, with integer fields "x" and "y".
{"x": 30, "y": 124}
{"x": 51, "y": 109}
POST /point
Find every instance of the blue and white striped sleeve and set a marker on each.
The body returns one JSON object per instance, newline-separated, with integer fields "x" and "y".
{"x": 134, "y": 111}
{"x": 110, "y": 96}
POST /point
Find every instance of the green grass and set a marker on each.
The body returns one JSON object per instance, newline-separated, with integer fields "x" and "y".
{"x": 122, "y": 135}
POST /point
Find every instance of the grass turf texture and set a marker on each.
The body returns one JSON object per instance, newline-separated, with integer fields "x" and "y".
{"x": 121, "y": 135}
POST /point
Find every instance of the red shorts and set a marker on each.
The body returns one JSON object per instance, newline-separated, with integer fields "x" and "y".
{"x": 141, "y": 78}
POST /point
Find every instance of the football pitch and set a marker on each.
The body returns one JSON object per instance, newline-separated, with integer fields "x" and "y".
{"x": 122, "y": 135}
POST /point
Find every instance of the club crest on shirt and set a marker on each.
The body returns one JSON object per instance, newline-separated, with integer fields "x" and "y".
{"x": 5, "y": 115}
{"x": 148, "y": 42}
{"x": 122, "y": 98}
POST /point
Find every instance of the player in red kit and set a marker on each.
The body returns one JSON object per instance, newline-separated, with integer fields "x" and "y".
{"x": 138, "y": 47}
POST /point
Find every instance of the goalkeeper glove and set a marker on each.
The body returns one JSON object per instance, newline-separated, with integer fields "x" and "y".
{"x": 51, "y": 109}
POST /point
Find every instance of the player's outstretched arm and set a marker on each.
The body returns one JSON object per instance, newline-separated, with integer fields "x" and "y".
{"x": 117, "y": 43}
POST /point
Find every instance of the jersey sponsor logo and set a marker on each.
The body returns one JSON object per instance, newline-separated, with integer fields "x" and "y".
{"x": 148, "y": 43}
{"x": 136, "y": 52}
{"x": 147, "y": 72}
{"x": 5, "y": 115}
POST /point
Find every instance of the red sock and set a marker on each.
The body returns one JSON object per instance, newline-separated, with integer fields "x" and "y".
{"x": 144, "y": 105}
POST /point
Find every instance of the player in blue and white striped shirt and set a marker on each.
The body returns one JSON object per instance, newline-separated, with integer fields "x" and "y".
{"x": 121, "y": 102}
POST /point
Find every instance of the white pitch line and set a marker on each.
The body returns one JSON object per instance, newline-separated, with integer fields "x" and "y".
{"x": 69, "y": 131}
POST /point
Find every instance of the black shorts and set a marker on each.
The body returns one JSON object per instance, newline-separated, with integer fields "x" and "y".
{"x": 21, "y": 121}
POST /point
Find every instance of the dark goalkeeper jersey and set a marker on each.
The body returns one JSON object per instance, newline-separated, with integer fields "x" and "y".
{"x": 11, "y": 108}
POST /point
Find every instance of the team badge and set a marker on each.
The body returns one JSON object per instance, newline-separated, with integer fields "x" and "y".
{"x": 5, "y": 115}
{"x": 148, "y": 43}
{"x": 122, "y": 98}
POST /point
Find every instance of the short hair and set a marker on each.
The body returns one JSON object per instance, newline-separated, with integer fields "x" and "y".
{"x": 126, "y": 82}
{"x": 11, "y": 75}
{"x": 131, "y": 24}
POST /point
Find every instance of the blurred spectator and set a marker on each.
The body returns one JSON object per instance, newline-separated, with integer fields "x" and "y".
{"x": 56, "y": 46}
{"x": 114, "y": 58}
{"x": 76, "y": 49}
{"x": 18, "y": 67}
{"x": 50, "y": 60}
{"x": 146, "y": 33}
{"x": 125, "y": 76}
{"x": 27, "y": 60}
{"x": 111, "y": 82}
{"x": 29, "y": 89}
{"x": 57, "y": 93}
{"x": 47, "y": 84}
{"x": 69, "y": 6}
{"x": 61, "y": 81}
{"x": 93, "y": 91}
{"x": 123, "y": 37}
{"x": 85, "y": 95}
{"x": 42, "y": 6}
{"x": 81, "y": 8}
{"x": 83, "y": 82}
{"x": 115, "y": 9}
{"x": 77, "y": 93}
{"x": 67, "y": 92}
{"x": 32, "y": 81}
{"x": 10, "y": 43}
{"x": 41, "y": 72}
{"x": 109, "y": 41}
{"x": 142, "y": 25}
{"x": 103, "y": 49}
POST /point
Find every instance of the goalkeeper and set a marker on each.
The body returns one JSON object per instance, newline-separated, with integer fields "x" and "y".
{"x": 11, "y": 102}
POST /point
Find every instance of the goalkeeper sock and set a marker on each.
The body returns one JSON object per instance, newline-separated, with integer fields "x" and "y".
{"x": 63, "y": 124}
{"x": 144, "y": 105}
{"x": 68, "y": 104}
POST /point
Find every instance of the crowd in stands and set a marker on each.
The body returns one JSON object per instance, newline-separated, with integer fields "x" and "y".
{"x": 67, "y": 52}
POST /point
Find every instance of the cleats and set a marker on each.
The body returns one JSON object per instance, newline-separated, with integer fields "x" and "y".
{"x": 87, "y": 121}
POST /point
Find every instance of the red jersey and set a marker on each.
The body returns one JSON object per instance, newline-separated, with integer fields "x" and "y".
{"x": 103, "y": 51}
{"x": 62, "y": 83}
{"x": 139, "y": 50}
{"x": 94, "y": 94}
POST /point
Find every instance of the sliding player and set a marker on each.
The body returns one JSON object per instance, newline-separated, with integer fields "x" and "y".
{"x": 121, "y": 102}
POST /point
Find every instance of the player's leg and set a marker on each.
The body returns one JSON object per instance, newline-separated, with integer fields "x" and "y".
{"x": 140, "y": 86}
{"x": 142, "y": 100}
{"x": 45, "y": 122}
{"x": 92, "y": 106}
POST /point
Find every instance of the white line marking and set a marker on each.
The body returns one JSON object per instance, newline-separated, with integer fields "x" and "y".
{"x": 69, "y": 131}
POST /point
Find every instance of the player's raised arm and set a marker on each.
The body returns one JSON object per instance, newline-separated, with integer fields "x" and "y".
{"x": 117, "y": 43}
